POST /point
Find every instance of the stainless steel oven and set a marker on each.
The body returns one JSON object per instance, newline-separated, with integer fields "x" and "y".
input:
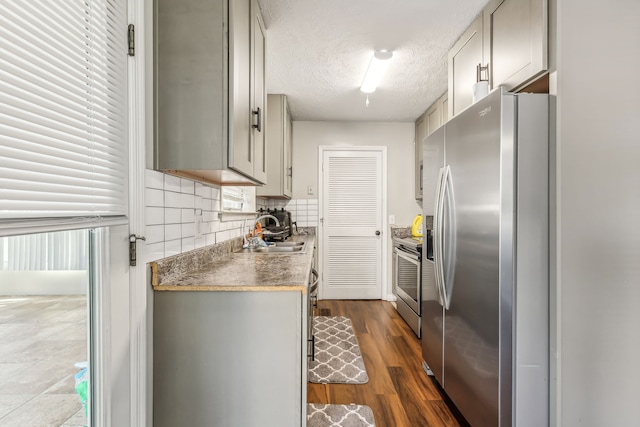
{"x": 407, "y": 280}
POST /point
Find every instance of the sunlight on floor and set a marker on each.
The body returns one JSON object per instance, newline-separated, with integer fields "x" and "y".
{"x": 42, "y": 338}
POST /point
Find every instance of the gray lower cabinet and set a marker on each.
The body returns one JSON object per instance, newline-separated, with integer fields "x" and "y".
{"x": 230, "y": 359}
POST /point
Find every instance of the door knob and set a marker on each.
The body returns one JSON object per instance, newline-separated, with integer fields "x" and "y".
{"x": 377, "y": 232}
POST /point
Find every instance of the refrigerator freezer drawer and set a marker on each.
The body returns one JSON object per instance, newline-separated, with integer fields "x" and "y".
{"x": 432, "y": 321}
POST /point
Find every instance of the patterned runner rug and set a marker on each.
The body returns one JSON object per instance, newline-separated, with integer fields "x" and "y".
{"x": 339, "y": 416}
{"x": 338, "y": 358}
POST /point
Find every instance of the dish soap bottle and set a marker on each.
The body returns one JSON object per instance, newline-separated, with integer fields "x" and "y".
{"x": 416, "y": 228}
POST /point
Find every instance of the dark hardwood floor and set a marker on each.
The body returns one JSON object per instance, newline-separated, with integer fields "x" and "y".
{"x": 399, "y": 392}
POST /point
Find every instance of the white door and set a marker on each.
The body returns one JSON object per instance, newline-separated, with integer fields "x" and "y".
{"x": 122, "y": 336}
{"x": 67, "y": 164}
{"x": 351, "y": 223}
{"x": 110, "y": 315}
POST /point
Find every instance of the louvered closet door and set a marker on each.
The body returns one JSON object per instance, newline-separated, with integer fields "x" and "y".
{"x": 352, "y": 212}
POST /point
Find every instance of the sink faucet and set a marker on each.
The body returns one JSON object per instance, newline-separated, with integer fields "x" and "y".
{"x": 263, "y": 217}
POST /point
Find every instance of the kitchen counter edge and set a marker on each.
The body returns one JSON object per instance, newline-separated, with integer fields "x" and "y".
{"x": 221, "y": 268}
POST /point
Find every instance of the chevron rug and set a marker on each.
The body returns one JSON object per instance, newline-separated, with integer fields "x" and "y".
{"x": 338, "y": 358}
{"x": 339, "y": 416}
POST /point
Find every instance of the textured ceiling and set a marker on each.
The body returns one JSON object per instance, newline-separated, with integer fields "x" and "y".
{"x": 318, "y": 53}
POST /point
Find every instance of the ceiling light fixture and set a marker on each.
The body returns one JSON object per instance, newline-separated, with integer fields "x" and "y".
{"x": 376, "y": 70}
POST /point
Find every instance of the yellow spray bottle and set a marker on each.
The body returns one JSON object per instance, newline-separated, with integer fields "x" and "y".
{"x": 416, "y": 228}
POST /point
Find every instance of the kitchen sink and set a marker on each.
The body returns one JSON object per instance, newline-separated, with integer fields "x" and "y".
{"x": 279, "y": 248}
{"x": 289, "y": 244}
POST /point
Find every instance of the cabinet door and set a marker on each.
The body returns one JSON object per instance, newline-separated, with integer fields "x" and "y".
{"x": 434, "y": 114}
{"x": 422, "y": 128}
{"x": 515, "y": 39}
{"x": 433, "y": 161}
{"x": 444, "y": 102}
{"x": 190, "y": 82}
{"x": 258, "y": 94}
{"x": 241, "y": 153}
{"x": 288, "y": 151}
{"x": 464, "y": 58}
{"x": 279, "y": 181}
{"x": 251, "y": 355}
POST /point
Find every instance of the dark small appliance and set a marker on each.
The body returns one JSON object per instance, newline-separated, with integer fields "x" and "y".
{"x": 275, "y": 233}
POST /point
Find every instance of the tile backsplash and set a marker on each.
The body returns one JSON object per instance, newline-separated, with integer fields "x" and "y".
{"x": 303, "y": 211}
{"x": 182, "y": 215}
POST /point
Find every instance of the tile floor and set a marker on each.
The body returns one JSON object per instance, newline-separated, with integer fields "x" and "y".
{"x": 41, "y": 338}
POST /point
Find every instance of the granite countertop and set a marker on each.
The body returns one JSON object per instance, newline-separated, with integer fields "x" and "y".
{"x": 222, "y": 268}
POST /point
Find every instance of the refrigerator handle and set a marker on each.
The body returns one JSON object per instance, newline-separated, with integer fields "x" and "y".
{"x": 445, "y": 192}
{"x": 436, "y": 219}
{"x": 437, "y": 235}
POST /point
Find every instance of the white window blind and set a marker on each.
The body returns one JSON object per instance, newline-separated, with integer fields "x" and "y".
{"x": 238, "y": 199}
{"x": 63, "y": 113}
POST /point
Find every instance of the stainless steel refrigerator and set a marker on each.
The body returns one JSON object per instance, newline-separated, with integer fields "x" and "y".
{"x": 485, "y": 314}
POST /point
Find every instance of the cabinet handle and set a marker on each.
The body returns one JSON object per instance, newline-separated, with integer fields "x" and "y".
{"x": 479, "y": 70}
{"x": 258, "y": 113}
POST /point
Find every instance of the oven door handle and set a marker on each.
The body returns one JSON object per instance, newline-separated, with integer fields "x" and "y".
{"x": 313, "y": 303}
{"x": 413, "y": 258}
{"x": 313, "y": 288}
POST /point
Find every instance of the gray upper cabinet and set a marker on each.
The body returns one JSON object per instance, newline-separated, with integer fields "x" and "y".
{"x": 209, "y": 85}
{"x": 515, "y": 40}
{"x": 428, "y": 123}
{"x": 241, "y": 151}
{"x": 511, "y": 38}
{"x": 259, "y": 105}
{"x": 444, "y": 102}
{"x": 464, "y": 57}
{"x": 433, "y": 158}
{"x": 422, "y": 127}
{"x": 288, "y": 155}
{"x": 280, "y": 143}
{"x": 434, "y": 117}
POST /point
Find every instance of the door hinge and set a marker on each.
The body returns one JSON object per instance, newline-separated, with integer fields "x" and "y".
{"x": 131, "y": 37}
{"x": 132, "y": 248}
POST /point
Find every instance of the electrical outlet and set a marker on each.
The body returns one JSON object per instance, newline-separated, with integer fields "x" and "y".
{"x": 198, "y": 226}
{"x": 392, "y": 219}
{"x": 309, "y": 190}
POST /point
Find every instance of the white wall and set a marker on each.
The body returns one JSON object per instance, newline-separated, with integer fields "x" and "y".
{"x": 597, "y": 261}
{"x": 397, "y": 137}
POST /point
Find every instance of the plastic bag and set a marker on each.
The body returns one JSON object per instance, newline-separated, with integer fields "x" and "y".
{"x": 255, "y": 242}
{"x": 82, "y": 385}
